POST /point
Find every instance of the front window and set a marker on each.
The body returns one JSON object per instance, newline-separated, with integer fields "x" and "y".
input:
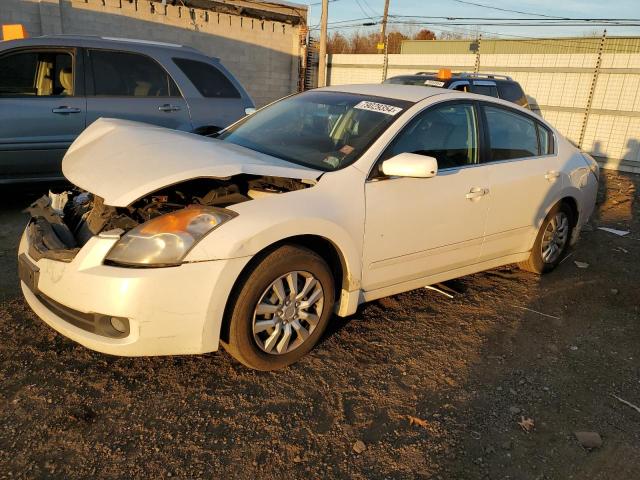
{"x": 317, "y": 129}
{"x": 38, "y": 74}
{"x": 445, "y": 132}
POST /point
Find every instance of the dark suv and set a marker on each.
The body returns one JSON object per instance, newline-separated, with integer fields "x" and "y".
{"x": 492, "y": 85}
{"x": 52, "y": 88}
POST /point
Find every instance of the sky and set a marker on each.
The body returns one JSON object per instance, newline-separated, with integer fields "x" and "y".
{"x": 340, "y": 10}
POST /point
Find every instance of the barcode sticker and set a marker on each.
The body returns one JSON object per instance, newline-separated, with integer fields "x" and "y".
{"x": 378, "y": 107}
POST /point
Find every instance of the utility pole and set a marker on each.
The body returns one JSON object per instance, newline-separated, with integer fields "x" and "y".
{"x": 383, "y": 30}
{"x": 322, "y": 60}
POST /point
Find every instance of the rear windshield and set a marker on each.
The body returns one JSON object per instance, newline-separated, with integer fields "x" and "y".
{"x": 318, "y": 129}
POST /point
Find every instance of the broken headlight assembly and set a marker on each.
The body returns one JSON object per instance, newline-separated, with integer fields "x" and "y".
{"x": 165, "y": 240}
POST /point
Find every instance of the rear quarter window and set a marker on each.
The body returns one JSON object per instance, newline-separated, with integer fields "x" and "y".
{"x": 512, "y": 92}
{"x": 489, "y": 90}
{"x": 209, "y": 81}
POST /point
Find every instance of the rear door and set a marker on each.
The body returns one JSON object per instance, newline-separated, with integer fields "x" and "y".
{"x": 42, "y": 110}
{"x": 525, "y": 179}
{"x": 133, "y": 86}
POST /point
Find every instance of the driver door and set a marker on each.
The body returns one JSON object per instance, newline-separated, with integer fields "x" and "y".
{"x": 418, "y": 227}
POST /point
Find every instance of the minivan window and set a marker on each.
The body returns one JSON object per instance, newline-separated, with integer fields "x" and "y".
{"x": 209, "y": 81}
{"x": 511, "y": 135}
{"x": 40, "y": 74}
{"x": 123, "y": 74}
{"x": 447, "y": 132}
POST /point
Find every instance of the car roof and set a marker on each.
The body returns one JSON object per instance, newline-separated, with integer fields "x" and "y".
{"x": 94, "y": 41}
{"x": 411, "y": 93}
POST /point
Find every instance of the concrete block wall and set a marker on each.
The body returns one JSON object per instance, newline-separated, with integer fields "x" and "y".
{"x": 263, "y": 55}
{"x": 19, "y": 11}
{"x": 557, "y": 86}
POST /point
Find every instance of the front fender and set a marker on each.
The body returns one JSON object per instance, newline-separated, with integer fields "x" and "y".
{"x": 231, "y": 243}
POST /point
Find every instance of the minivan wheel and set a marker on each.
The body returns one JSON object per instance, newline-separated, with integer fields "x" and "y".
{"x": 282, "y": 309}
{"x": 552, "y": 240}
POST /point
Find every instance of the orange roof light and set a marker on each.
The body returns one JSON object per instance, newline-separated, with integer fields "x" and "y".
{"x": 444, "y": 74}
{"x": 13, "y": 32}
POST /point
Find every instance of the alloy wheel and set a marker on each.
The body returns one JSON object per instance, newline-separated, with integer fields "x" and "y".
{"x": 288, "y": 312}
{"x": 555, "y": 237}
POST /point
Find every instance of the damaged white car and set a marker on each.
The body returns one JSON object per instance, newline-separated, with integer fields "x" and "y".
{"x": 174, "y": 243}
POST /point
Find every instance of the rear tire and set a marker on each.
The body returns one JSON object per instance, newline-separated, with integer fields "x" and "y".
{"x": 552, "y": 241}
{"x": 282, "y": 309}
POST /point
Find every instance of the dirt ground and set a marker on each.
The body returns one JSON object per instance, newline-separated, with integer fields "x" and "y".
{"x": 509, "y": 345}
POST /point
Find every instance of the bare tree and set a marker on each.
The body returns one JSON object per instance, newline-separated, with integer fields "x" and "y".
{"x": 361, "y": 42}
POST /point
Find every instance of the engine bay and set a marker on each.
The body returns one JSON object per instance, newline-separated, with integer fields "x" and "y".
{"x": 63, "y": 222}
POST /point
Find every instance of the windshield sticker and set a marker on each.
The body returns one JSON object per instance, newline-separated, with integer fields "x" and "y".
{"x": 378, "y": 107}
{"x": 434, "y": 83}
{"x": 332, "y": 161}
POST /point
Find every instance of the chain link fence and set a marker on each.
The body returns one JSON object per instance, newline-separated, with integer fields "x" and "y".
{"x": 588, "y": 88}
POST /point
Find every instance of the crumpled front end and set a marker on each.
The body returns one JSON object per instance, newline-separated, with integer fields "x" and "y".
{"x": 70, "y": 279}
{"x": 113, "y": 309}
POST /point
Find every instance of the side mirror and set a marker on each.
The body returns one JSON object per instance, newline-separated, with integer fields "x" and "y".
{"x": 410, "y": 165}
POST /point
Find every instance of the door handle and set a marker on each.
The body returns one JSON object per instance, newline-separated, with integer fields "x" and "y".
{"x": 167, "y": 107}
{"x": 64, "y": 109}
{"x": 476, "y": 192}
{"x": 551, "y": 175}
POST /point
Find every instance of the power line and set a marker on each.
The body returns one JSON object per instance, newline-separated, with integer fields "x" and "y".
{"x": 521, "y": 19}
{"x": 505, "y": 9}
{"x": 368, "y": 15}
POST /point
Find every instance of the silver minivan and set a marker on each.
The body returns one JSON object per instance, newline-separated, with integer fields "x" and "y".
{"x": 53, "y": 87}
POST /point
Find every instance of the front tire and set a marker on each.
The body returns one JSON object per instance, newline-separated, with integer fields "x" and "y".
{"x": 552, "y": 241}
{"x": 282, "y": 309}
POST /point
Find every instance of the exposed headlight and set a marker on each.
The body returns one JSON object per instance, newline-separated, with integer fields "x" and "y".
{"x": 166, "y": 240}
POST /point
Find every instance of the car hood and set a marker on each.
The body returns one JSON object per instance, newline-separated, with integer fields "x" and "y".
{"x": 122, "y": 161}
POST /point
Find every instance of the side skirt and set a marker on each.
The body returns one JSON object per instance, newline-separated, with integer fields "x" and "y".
{"x": 367, "y": 296}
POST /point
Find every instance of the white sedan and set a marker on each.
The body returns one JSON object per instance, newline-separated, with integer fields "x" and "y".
{"x": 174, "y": 243}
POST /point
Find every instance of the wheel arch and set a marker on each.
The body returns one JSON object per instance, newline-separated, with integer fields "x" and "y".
{"x": 206, "y": 130}
{"x": 322, "y": 246}
{"x": 572, "y": 203}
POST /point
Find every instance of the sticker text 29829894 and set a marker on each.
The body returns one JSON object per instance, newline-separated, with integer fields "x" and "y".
{"x": 378, "y": 107}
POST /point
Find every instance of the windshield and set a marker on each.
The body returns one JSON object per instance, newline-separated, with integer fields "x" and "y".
{"x": 317, "y": 129}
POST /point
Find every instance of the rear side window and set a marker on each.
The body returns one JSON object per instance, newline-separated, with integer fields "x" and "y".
{"x": 209, "y": 81}
{"x": 38, "y": 74}
{"x": 123, "y": 74}
{"x": 511, "y": 135}
{"x": 489, "y": 90}
{"x": 512, "y": 93}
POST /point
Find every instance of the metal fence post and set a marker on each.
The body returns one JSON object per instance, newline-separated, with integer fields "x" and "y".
{"x": 385, "y": 60}
{"x": 476, "y": 67}
{"x": 594, "y": 81}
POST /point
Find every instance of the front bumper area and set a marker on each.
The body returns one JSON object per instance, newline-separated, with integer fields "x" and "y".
{"x": 170, "y": 311}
